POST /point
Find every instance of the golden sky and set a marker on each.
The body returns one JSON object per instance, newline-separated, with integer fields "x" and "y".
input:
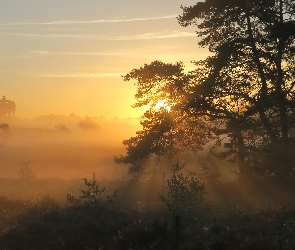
{"x": 68, "y": 56}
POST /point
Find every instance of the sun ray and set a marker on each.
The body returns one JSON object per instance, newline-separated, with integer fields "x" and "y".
{"x": 162, "y": 104}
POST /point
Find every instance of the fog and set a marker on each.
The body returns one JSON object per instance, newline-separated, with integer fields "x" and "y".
{"x": 75, "y": 153}
{"x": 50, "y": 155}
{"x": 39, "y": 147}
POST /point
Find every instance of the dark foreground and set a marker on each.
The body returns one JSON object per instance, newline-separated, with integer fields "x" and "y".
{"x": 128, "y": 224}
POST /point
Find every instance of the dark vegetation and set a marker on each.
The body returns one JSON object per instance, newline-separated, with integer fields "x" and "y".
{"x": 130, "y": 214}
{"x": 237, "y": 106}
{"x": 241, "y": 98}
{"x": 7, "y": 107}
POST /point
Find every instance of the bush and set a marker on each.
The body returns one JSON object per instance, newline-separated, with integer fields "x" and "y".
{"x": 62, "y": 128}
{"x": 91, "y": 195}
{"x": 185, "y": 192}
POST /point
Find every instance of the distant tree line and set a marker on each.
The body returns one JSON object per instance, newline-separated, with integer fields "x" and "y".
{"x": 85, "y": 124}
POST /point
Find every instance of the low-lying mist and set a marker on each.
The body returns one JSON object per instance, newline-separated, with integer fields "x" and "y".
{"x": 72, "y": 153}
{"x": 63, "y": 147}
{"x": 61, "y": 189}
{"x": 51, "y": 155}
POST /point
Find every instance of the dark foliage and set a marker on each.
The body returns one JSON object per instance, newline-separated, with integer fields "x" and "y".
{"x": 7, "y": 107}
{"x": 49, "y": 225}
{"x": 243, "y": 91}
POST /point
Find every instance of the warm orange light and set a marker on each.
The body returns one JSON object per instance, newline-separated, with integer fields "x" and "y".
{"x": 162, "y": 104}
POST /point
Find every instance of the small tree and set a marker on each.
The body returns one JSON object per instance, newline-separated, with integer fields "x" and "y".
{"x": 7, "y": 107}
{"x": 185, "y": 192}
{"x": 87, "y": 124}
{"x": 62, "y": 128}
{"x": 92, "y": 195}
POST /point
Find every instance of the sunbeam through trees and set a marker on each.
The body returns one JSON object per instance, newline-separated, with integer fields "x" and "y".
{"x": 244, "y": 91}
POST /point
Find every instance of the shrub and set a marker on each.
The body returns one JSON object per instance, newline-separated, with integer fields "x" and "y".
{"x": 91, "y": 195}
{"x": 185, "y": 192}
{"x": 62, "y": 128}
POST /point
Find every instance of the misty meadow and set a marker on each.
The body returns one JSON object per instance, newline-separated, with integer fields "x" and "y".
{"x": 209, "y": 164}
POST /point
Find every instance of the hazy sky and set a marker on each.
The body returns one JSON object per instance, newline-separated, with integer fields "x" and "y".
{"x": 67, "y": 56}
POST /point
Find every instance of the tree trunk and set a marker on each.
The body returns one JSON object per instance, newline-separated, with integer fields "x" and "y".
{"x": 238, "y": 136}
{"x": 280, "y": 96}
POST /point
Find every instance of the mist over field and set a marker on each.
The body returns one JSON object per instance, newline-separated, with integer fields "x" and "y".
{"x": 55, "y": 150}
{"x": 75, "y": 153}
{"x": 52, "y": 154}
{"x": 206, "y": 158}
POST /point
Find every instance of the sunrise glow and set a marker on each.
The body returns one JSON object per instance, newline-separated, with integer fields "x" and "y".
{"x": 60, "y": 62}
{"x": 163, "y": 104}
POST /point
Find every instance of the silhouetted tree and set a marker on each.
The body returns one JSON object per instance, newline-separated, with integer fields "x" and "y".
{"x": 62, "y": 128}
{"x": 4, "y": 131}
{"x": 7, "y": 107}
{"x": 244, "y": 91}
{"x": 249, "y": 79}
{"x": 87, "y": 124}
{"x": 166, "y": 131}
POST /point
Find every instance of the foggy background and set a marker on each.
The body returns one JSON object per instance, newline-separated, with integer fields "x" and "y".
{"x": 75, "y": 153}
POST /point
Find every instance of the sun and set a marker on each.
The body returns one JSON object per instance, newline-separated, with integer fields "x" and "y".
{"x": 162, "y": 104}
